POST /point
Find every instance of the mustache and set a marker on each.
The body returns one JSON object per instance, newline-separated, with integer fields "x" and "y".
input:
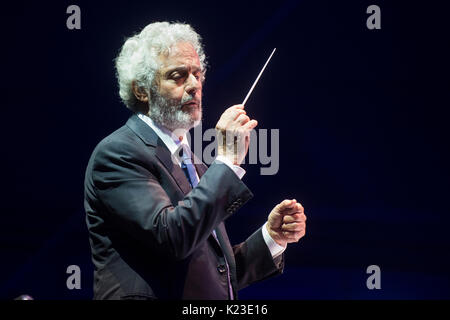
{"x": 159, "y": 99}
{"x": 189, "y": 99}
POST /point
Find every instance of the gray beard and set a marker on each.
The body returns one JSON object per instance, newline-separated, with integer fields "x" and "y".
{"x": 168, "y": 113}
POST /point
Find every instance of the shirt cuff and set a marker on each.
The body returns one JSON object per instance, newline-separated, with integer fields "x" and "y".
{"x": 236, "y": 169}
{"x": 275, "y": 249}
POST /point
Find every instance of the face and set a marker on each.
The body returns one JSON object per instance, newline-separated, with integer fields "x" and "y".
{"x": 175, "y": 100}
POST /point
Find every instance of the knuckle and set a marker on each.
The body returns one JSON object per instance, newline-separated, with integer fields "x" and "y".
{"x": 244, "y": 119}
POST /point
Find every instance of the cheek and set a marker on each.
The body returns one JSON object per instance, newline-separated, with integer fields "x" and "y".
{"x": 172, "y": 92}
{"x": 198, "y": 94}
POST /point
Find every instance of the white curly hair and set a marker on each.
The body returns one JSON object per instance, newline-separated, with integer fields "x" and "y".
{"x": 138, "y": 58}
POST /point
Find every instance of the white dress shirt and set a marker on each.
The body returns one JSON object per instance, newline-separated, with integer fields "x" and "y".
{"x": 173, "y": 143}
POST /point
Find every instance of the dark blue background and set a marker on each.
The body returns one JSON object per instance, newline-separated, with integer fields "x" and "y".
{"x": 363, "y": 136}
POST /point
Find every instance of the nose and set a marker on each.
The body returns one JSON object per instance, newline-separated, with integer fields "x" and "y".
{"x": 193, "y": 85}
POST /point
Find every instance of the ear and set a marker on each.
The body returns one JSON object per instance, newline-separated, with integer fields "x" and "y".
{"x": 140, "y": 93}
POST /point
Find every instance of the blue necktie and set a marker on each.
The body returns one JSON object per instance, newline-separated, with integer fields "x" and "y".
{"x": 188, "y": 167}
{"x": 191, "y": 174}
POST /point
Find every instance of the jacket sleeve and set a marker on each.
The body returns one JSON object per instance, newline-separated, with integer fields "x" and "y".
{"x": 254, "y": 261}
{"x": 126, "y": 185}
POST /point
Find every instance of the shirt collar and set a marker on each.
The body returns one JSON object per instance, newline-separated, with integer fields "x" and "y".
{"x": 171, "y": 140}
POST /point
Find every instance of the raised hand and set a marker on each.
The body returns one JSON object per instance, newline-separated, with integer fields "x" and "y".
{"x": 233, "y": 133}
{"x": 287, "y": 222}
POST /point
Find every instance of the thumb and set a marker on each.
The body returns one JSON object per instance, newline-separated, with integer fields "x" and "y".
{"x": 285, "y": 204}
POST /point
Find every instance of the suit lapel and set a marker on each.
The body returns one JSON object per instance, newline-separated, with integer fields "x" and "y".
{"x": 142, "y": 130}
{"x": 150, "y": 138}
{"x": 177, "y": 173}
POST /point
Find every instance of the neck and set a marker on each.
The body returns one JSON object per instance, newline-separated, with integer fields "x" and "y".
{"x": 176, "y": 134}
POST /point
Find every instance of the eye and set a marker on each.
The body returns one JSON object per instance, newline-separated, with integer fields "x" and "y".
{"x": 198, "y": 75}
{"x": 175, "y": 76}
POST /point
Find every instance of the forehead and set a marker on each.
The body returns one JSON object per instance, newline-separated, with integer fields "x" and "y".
{"x": 180, "y": 54}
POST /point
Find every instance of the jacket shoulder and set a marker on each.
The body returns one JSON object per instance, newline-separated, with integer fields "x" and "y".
{"x": 120, "y": 150}
{"x": 121, "y": 142}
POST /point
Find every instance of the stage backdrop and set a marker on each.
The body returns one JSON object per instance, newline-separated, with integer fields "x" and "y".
{"x": 363, "y": 143}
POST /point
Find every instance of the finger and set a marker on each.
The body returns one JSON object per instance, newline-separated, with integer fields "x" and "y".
{"x": 294, "y": 226}
{"x": 290, "y": 210}
{"x": 242, "y": 119}
{"x": 297, "y": 208}
{"x": 228, "y": 117}
{"x": 296, "y": 217}
{"x": 232, "y": 112}
{"x": 235, "y": 113}
{"x": 289, "y": 218}
{"x": 233, "y": 107}
{"x": 293, "y": 236}
{"x": 250, "y": 125}
{"x": 286, "y": 204}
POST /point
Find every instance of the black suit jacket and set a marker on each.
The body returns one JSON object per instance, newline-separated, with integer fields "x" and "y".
{"x": 150, "y": 234}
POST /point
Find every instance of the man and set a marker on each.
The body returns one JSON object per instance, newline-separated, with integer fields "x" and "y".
{"x": 155, "y": 217}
